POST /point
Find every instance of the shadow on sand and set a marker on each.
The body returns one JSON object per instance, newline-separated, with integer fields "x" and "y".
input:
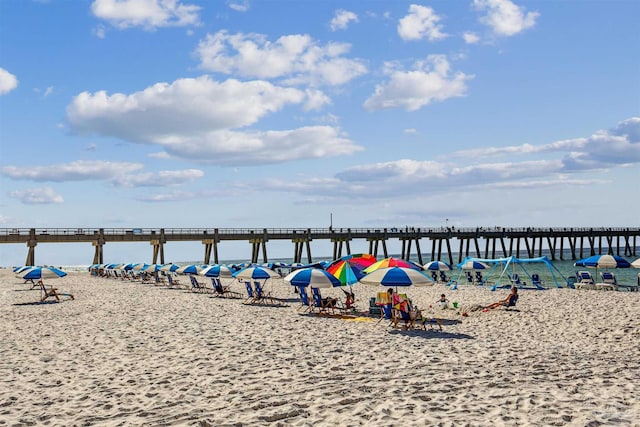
{"x": 431, "y": 334}
{"x": 37, "y": 303}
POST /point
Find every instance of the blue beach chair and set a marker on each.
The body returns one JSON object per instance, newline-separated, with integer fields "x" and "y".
{"x": 304, "y": 298}
{"x": 250, "y": 295}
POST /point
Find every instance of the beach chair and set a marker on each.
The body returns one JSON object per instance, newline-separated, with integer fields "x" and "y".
{"x": 408, "y": 318}
{"x": 51, "y": 292}
{"x": 585, "y": 280}
{"x": 515, "y": 280}
{"x": 223, "y": 291}
{"x": 434, "y": 275}
{"x": 608, "y": 283}
{"x": 320, "y": 304}
{"x": 609, "y": 279}
{"x": 470, "y": 279}
{"x": 535, "y": 281}
{"x": 304, "y": 298}
{"x": 251, "y": 296}
{"x": 173, "y": 282}
{"x": 631, "y": 288}
{"x": 443, "y": 277}
{"x": 480, "y": 280}
{"x": 382, "y": 306}
{"x": 262, "y": 296}
{"x": 196, "y": 286}
{"x": 159, "y": 279}
{"x": 374, "y": 309}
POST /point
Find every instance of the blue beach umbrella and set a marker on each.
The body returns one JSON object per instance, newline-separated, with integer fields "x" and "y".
{"x": 150, "y": 268}
{"x": 190, "y": 269}
{"x": 396, "y": 276}
{"x": 140, "y": 266}
{"x": 603, "y": 261}
{"x": 314, "y": 277}
{"x": 217, "y": 271}
{"x": 255, "y": 273}
{"x": 437, "y": 266}
{"x": 169, "y": 267}
{"x": 473, "y": 265}
{"x": 24, "y": 268}
{"x": 44, "y": 273}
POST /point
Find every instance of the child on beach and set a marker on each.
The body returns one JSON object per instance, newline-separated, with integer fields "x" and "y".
{"x": 443, "y": 302}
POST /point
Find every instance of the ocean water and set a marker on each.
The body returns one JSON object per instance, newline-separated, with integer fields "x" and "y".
{"x": 565, "y": 270}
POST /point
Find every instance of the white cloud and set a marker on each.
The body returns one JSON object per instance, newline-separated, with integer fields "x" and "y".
{"x": 617, "y": 146}
{"x": 421, "y": 22}
{"x": 8, "y": 81}
{"x": 165, "y": 111}
{"x": 201, "y": 120}
{"x": 470, "y": 38}
{"x": 37, "y": 196}
{"x": 149, "y": 14}
{"x": 428, "y": 82}
{"x": 251, "y": 148}
{"x": 158, "y": 179}
{"x": 400, "y": 178}
{"x": 80, "y": 170}
{"x": 160, "y": 155}
{"x": 504, "y": 17}
{"x": 239, "y": 6}
{"x": 296, "y": 59}
{"x": 316, "y": 100}
{"x": 341, "y": 19}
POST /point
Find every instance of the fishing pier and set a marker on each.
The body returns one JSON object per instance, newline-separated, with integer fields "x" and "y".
{"x": 559, "y": 243}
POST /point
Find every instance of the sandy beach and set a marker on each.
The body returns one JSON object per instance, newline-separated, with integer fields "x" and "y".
{"x": 126, "y": 353}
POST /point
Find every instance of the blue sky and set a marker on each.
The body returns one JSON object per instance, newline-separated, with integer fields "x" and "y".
{"x": 167, "y": 113}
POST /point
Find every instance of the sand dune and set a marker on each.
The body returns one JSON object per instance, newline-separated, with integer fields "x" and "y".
{"x": 125, "y": 353}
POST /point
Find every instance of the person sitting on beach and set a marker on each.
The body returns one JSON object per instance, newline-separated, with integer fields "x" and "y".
{"x": 329, "y": 302}
{"x": 443, "y": 302}
{"x": 509, "y": 301}
{"x": 350, "y": 300}
{"x": 398, "y": 302}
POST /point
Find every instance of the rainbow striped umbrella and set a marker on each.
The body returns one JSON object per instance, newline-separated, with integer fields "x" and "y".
{"x": 392, "y": 262}
{"x": 345, "y": 272}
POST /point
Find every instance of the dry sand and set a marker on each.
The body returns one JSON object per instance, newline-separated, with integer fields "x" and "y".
{"x": 125, "y": 353}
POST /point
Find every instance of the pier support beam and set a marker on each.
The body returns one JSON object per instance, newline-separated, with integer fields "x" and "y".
{"x": 256, "y": 244}
{"x": 210, "y": 247}
{"x": 158, "y": 247}
{"x": 374, "y": 243}
{"x": 338, "y": 244}
{"x": 98, "y": 256}
{"x": 299, "y": 245}
{"x": 406, "y": 248}
{"x": 31, "y": 248}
